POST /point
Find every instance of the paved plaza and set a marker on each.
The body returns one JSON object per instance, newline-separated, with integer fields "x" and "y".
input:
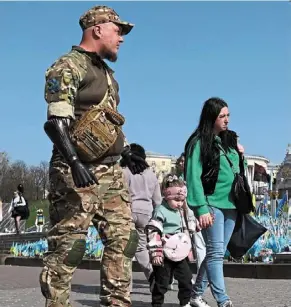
{"x": 19, "y": 288}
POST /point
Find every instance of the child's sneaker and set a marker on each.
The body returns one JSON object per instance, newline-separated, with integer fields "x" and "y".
{"x": 198, "y": 301}
{"x": 187, "y": 305}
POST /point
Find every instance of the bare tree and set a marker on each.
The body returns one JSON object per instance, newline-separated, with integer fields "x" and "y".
{"x": 4, "y": 166}
{"x": 18, "y": 173}
{"x": 44, "y": 168}
{"x": 33, "y": 178}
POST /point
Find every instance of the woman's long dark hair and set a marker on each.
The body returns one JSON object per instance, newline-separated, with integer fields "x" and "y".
{"x": 20, "y": 188}
{"x": 204, "y": 131}
{"x": 228, "y": 140}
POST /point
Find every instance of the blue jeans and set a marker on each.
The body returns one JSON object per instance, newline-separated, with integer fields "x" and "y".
{"x": 216, "y": 239}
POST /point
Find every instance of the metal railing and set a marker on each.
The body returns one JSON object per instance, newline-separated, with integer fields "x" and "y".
{"x": 7, "y": 222}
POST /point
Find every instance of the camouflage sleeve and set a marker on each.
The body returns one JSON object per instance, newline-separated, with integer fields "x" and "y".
{"x": 62, "y": 82}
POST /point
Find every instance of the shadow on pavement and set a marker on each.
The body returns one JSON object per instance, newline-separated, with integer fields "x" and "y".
{"x": 92, "y": 303}
{"x": 91, "y": 289}
{"x": 86, "y": 289}
{"x": 94, "y": 289}
{"x": 140, "y": 293}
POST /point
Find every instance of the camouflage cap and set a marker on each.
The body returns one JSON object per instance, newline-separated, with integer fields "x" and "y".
{"x": 102, "y": 14}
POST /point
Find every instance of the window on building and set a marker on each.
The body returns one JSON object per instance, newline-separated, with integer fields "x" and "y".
{"x": 163, "y": 163}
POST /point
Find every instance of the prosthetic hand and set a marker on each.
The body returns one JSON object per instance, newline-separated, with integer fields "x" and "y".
{"x": 58, "y": 131}
{"x": 135, "y": 163}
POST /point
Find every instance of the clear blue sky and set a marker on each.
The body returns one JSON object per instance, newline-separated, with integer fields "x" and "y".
{"x": 177, "y": 56}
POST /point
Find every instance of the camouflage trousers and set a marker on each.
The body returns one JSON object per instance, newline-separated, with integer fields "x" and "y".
{"x": 107, "y": 206}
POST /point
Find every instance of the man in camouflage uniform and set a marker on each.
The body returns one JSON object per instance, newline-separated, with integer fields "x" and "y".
{"x": 81, "y": 193}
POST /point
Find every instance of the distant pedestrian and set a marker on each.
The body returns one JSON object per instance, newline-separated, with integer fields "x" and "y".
{"x": 145, "y": 193}
{"x": 18, "y": 207}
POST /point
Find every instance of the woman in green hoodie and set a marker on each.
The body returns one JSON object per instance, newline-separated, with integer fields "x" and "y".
{"x": 209, "y": 178}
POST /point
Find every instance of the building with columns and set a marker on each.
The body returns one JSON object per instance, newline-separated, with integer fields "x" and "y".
{"x": 257, "y": 187}
{"x": 284, "y": 174}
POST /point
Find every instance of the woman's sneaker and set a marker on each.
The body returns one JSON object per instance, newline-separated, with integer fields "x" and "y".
{"x": 198, "y": 301}
{"x": 227, "y": 304}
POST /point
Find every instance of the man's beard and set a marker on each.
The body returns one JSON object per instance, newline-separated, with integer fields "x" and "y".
{"x": 108, "y": 55}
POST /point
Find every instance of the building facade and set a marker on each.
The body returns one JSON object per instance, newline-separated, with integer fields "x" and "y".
{"x": 257, "y": 187}
{"x": 161, "y": 164}
{"x": 284, "y": 174}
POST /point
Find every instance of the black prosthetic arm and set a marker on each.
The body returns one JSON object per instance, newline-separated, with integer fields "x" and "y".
{"x": 58, "y": 131}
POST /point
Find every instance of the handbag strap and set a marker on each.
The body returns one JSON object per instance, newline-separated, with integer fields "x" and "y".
{"x": 242, "y": 224}
{"x": 241, "y": 167}
{"x": 184, "y": 222}
{"x": 227, "y": 158}
{"x": 241, "y": 163}
{"x": 185, "y": 219}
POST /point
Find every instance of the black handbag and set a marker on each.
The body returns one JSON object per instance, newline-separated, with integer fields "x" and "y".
{"x": 246, "y": 232}
{"x": 240, "y": 190}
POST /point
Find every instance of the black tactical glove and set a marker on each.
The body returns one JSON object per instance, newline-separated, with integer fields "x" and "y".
{"x": 81, "y": 175}
{"x": 57, "y": 130}
{"x": 135, "y": 163}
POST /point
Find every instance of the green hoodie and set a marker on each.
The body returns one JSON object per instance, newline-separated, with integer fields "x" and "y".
{"x": 221, "y": 197}
{"x": 170, "y": 218}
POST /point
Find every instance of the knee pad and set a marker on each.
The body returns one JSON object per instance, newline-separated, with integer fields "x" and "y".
{"x": 131, "y": 245}
{"x": 76, "y": 253}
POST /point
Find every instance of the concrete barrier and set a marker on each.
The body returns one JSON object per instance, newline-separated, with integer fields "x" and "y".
{"x": 231, "y": 269}
{"x": 234, "y": 270}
